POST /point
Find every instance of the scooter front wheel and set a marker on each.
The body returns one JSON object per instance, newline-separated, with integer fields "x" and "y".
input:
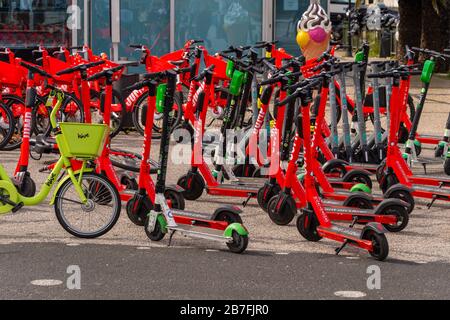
{"x": 284, "y": 214}
{"x": 157, "y": 234}
{"x": 380, "y": 245}
{"x": 94, "y": 218}
{"x": 307, "y": 227}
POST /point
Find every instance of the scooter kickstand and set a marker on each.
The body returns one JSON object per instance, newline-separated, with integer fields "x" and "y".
{"x": 355, "y": 221}
{"x": 339, "y": 250}
{"x": 245, "y": 203}
{"x": 172, "y": 233}
{"x": 430, "y": 205}
{"x": 425, "y": 168}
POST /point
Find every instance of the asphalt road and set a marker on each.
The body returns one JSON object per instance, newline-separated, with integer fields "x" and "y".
{"x": 124, "y": 272}
{"x": 279, "y": 263}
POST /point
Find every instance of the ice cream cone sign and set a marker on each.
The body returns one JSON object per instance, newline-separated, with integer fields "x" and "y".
{"x": 314, "y": 31}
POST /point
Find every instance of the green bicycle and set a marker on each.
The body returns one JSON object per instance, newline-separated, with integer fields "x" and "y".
{"x": 86, "y": 204}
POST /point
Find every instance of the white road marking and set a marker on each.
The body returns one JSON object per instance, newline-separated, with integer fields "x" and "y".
{"x": 282, "y": 254}
{"x": 353, "y": 258}
{"x": 46, "y": 283}
{"x": 73, "y": 244}
{"x": 143, "y": 248}
{"x": 350, "y": 294}
{"x": 211, "y": 250}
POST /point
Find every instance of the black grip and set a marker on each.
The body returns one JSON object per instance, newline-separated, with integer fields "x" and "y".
{"x": 80, "y": 67}
{"x": 76, "y": 48}
{"x": 35, "y": 69}
{"x": 136, "y": 46}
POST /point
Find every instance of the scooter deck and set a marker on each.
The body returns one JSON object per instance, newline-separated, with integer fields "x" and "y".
{"x": 243, "y": 191}
{"x": 435, "y": 190}
{"x": 192, "y": 214}
{"x": 251, "y": 182}
{"x": 189, "y": 232}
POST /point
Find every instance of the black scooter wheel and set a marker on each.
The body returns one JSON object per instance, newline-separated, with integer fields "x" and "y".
{"x": 360, "y": 203}
{"x": 157, "y": 234}
{"x": 175, "y": 199}
{"x": 404, "y": 196}
{"x": 388, "y": 181}
{"x": 282, "y": 216}
{"x": 402, "y": 218}
{"x": 239, "y": 244}
{"x": 307, "y": 227}
{"x": 265, "y": 194}
{"x": 439, "y": 152}
{"x": 129, "y": 183}
{"x": 244, "y": 170}
{"x": 357, "y": 176}
{"x": 137, "y": 218}
{"x": 380, "y": 245}
{"x": 229, "y": 217}
{"x": 28, "y": 187}
{"x": 447, "y": 167}
{"x": 380, "y": 171}
{"x": 403, "y": 134}
{"x": 193, "y": 186}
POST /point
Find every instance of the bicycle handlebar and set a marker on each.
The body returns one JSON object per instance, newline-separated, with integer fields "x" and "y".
{"x": 394, "y": 74}
{"x": 105, "y": 73}
{"x": 80, "y": 67}
{"x": 35, "y": 69}
{"x": 431, "y": 53}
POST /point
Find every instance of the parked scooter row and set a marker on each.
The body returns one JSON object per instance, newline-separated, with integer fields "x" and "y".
{"x": 295, "y": 164}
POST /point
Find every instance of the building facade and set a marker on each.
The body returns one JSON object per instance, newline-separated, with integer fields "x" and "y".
{"x": 164, "y": 25}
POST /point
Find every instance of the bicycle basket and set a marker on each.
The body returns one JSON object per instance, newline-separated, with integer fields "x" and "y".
{"x": 79, "y": 140}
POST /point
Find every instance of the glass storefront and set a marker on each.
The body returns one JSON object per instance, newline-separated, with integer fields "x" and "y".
{"x": 100, "y": 24}
{"x": 219, "y": 22}
{"x": 25, "y": 23}
{"x": 145, "y": 22}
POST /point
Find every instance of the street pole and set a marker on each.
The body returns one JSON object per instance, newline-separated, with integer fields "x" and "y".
{"x": 349, "y": 35}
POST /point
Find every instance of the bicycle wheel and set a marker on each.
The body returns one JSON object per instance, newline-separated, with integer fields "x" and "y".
{"x": 7, "y": 125}
{"x": 140, "y": 115}
{"x": 93, "y": 219}
{"x": 118, "y": 110}
{"x": 16, "y": 105}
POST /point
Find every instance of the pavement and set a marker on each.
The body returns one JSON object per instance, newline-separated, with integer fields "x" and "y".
{"x": 279, "y": 264}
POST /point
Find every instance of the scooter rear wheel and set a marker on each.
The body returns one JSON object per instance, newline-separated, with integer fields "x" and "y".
{"x": 360, "y": 203}
{"x": 229, "y": 217}
{"x": 404, "y": 196}
{"x": 380, "y": 245}
{"x": 402, "y": 218}
{"x": 239, "y": 244}
{"x": 447, "y": 167}
{"x": 194, "y": 188}
{"x": 357, "y": 176}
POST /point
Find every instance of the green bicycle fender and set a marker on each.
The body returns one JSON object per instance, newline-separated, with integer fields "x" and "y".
{"x": 239, "y": 228}
{"x": 361, "y": 188}
{"x": 52, "y": 202}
